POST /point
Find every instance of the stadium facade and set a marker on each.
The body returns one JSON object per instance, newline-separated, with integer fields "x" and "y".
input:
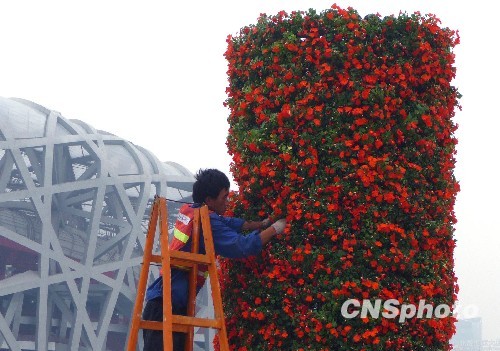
{"x": 74, "y": 207}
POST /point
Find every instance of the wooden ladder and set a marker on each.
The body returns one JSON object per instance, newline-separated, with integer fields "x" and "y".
{"x": 188, "y": 260}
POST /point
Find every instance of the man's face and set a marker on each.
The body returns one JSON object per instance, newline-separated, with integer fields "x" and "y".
{"x": 218, "y": 204}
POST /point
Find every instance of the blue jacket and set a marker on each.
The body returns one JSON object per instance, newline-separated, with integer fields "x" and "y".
{"x": 228, "y": 242}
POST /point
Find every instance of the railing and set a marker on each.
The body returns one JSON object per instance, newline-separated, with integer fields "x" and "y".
{"x": 483, "y": 345}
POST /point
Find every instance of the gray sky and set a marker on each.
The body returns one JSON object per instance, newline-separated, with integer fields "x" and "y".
{"x": 153, "y": 72}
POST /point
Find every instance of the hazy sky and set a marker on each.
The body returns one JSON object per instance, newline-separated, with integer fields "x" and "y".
{"x": 153, "y": 72}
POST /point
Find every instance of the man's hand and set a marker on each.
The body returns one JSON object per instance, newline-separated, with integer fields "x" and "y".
{"x": 276, "y": 228}
{"x": 279, "y": 226}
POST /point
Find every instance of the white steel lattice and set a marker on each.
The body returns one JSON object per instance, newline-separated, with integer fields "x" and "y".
{"x": 74, "y": 205}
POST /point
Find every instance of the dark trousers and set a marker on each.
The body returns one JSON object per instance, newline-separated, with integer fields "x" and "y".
{"x": 153, "y": 339}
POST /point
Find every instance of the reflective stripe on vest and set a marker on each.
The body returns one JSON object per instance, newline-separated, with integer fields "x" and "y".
{"x": 180, "y": 236}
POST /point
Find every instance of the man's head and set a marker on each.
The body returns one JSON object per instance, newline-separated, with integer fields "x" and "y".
{"x": 211, "y": 187}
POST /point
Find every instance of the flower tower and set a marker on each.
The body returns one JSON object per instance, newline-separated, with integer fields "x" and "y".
{"x": 343, "y": 125}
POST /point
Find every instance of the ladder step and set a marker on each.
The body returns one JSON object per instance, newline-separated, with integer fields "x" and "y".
{"x": 183, "y": 259}
{"x": 182, "y": 323}
{"x": 197, "y": 322}
{"x": 153, "y": 325}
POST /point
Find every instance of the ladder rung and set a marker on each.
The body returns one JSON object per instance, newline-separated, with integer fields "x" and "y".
{"x": 196, "y": 322}
{"x": 182, "y": 323}
{"x": 183, "y": 259}
{"x": 153, "y": 325}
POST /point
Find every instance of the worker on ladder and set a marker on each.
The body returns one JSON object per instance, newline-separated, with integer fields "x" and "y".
{"x": 211, "y": 188}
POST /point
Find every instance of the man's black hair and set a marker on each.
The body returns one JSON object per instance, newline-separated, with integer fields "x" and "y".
{"x": 209, "y": 182}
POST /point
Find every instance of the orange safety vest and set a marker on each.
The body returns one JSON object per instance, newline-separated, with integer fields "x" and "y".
{"x": 182, "y": 233}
